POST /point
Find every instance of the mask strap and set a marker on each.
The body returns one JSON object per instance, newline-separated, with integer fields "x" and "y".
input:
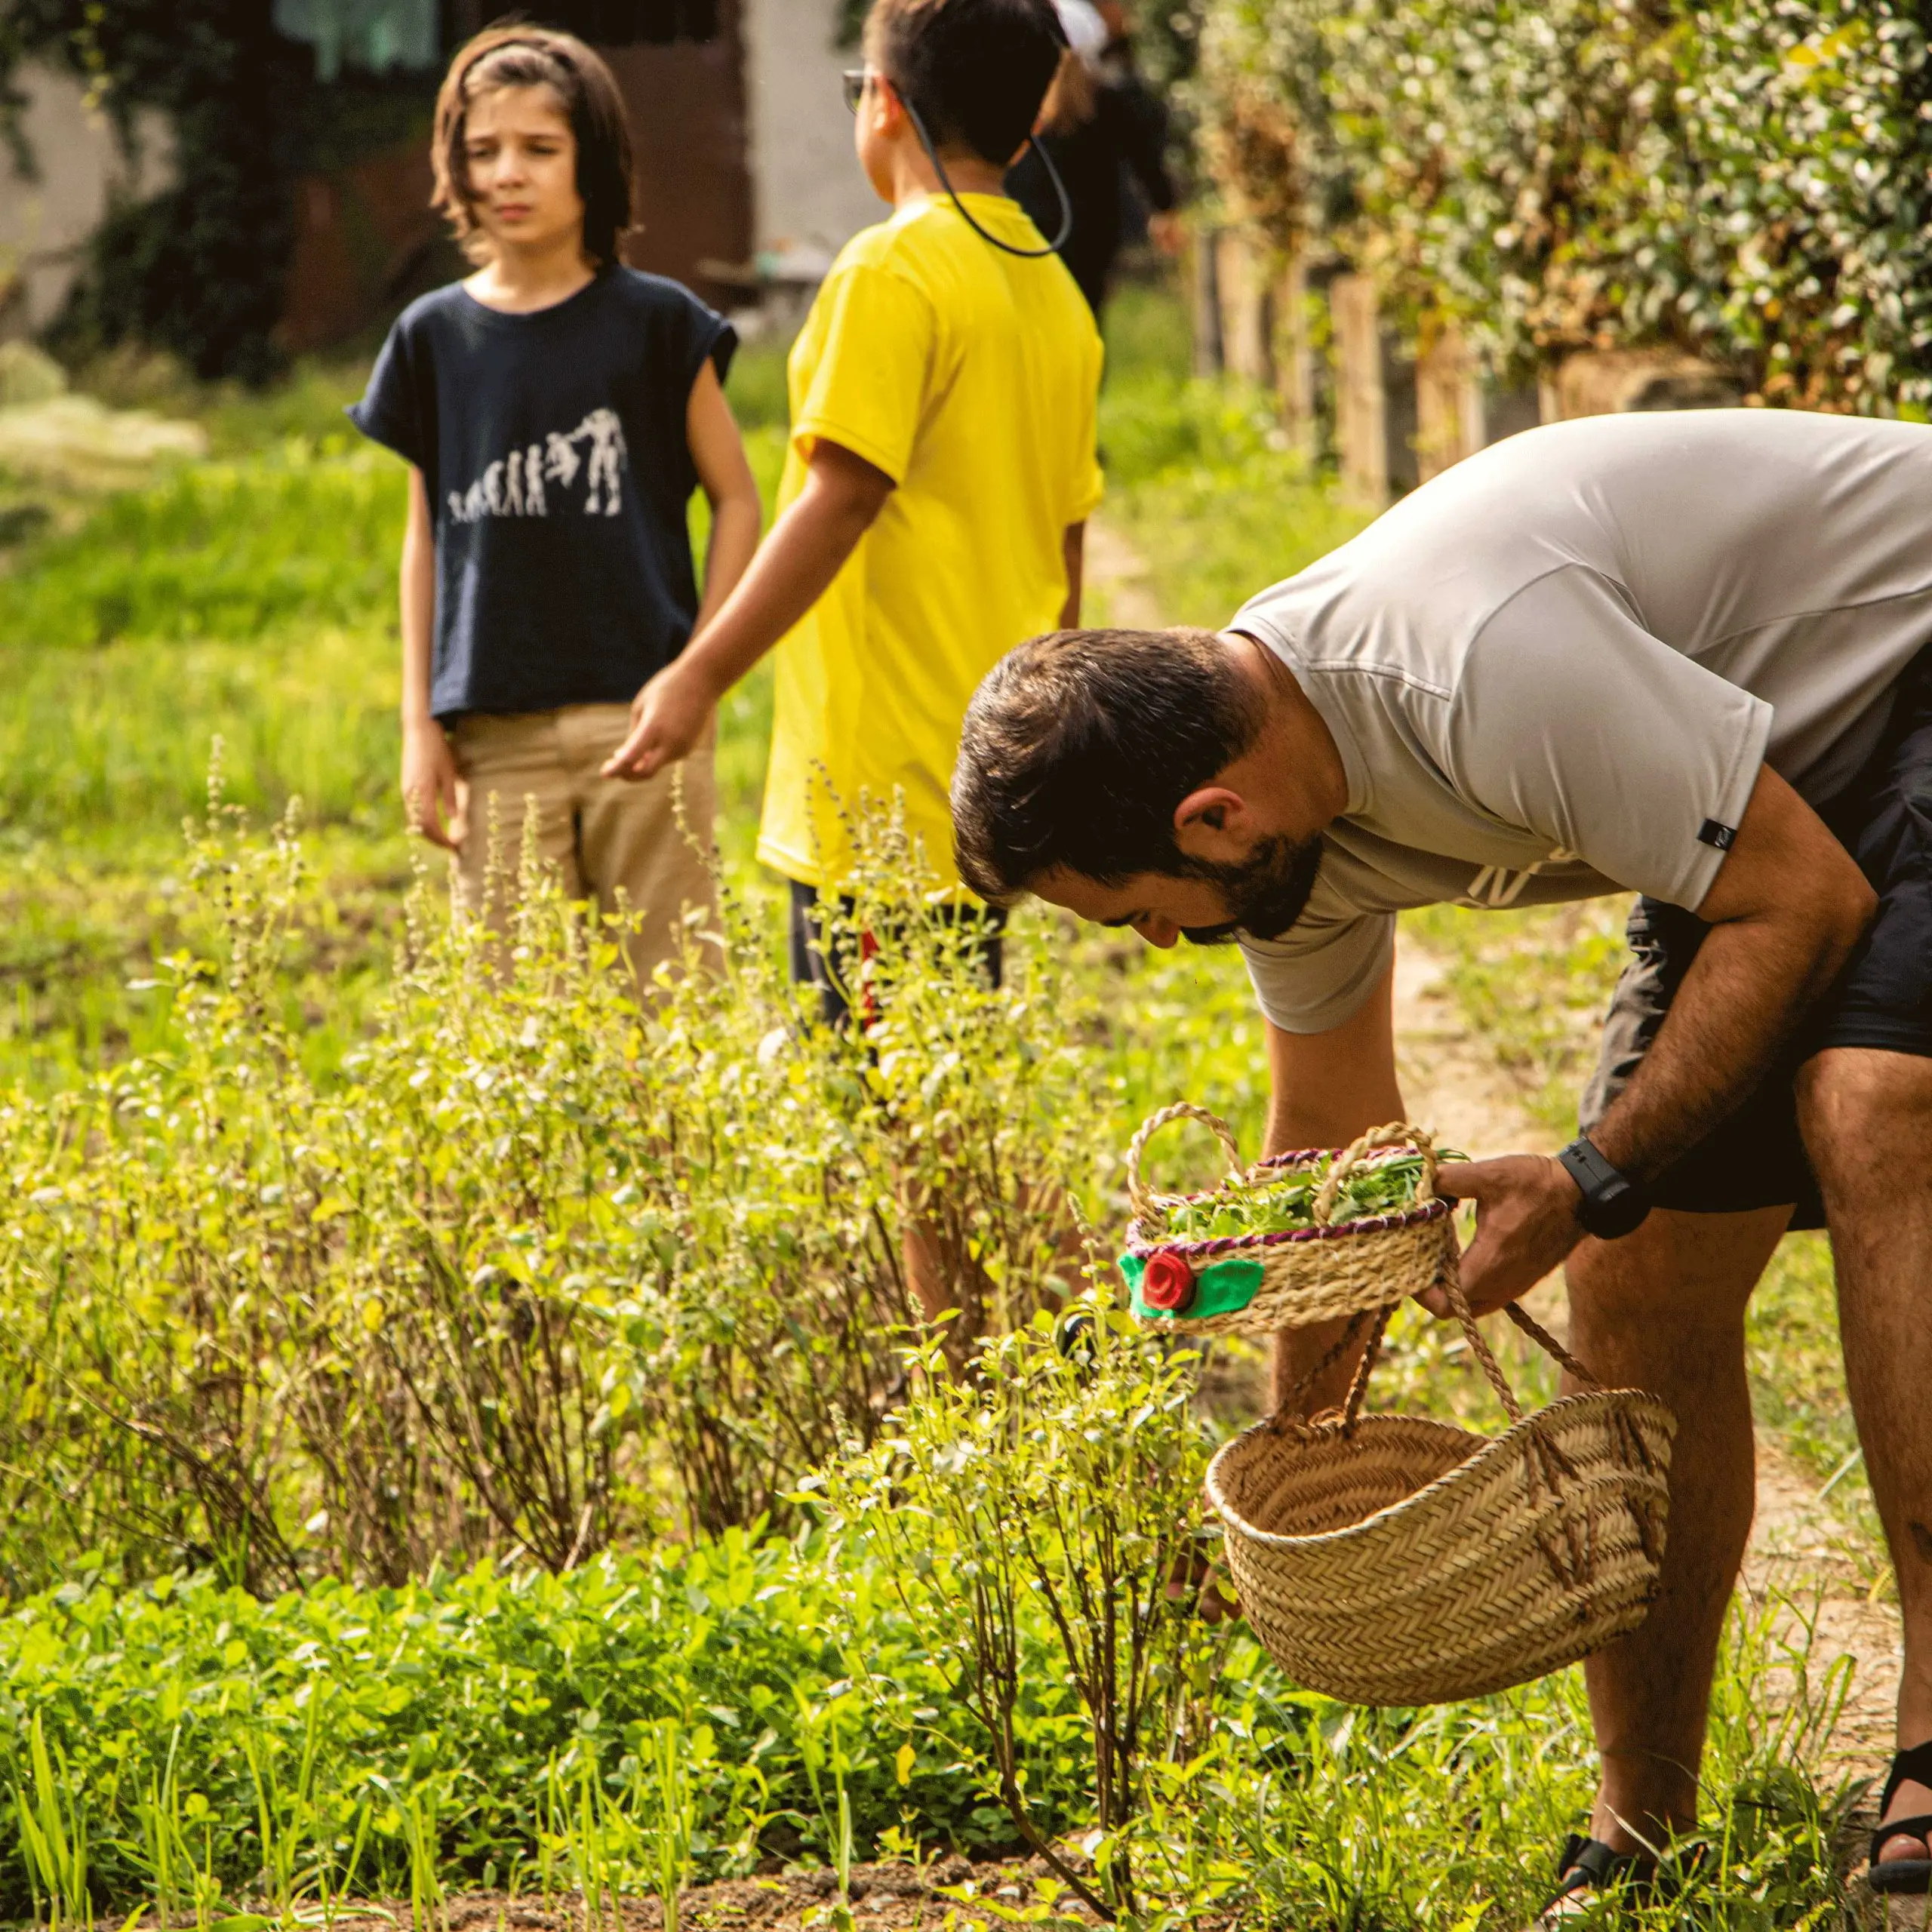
{"x": 1053, "y": 248}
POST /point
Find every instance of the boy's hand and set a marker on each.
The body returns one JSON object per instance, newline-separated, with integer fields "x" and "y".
{"x": 668, "y": 717}
{"x": 429, "y": 782}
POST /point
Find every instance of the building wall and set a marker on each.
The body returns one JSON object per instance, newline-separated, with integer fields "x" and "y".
{"x": 44, "y": 224}
{"x": 808, "y": 196}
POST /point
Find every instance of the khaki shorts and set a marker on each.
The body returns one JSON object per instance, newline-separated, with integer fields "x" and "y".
{"x": 612, "y": 840}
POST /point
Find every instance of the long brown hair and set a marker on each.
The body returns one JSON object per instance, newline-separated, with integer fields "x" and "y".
{"x": 526, "y": 56}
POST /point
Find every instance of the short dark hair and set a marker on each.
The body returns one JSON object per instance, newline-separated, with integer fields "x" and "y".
{"x": 527, "y": 57}
{"x": 1077, "y": 746}
{"x": 976, "y": 71}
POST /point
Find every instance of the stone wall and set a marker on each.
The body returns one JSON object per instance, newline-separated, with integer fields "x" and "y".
{"x": 45, "y": 222}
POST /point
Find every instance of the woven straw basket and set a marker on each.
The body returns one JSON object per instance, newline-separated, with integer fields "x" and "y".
{"x": 1395, "y": 1560}
{"x": 1314, "y": 1274}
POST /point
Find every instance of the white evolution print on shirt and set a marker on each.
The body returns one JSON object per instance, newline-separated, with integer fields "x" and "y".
{"x": 514, "y": 485}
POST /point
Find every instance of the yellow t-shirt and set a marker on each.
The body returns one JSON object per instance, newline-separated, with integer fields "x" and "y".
{"x": 970, "y": 378}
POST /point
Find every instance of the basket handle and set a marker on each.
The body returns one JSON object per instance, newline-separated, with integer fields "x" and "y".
{"x": 1146, "y": 1203}
{"x": 1397, "y": 1134}
{"x": 1491, "y": 1368}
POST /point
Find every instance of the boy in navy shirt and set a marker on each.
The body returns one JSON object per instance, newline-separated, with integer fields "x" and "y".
{"x": 556, "y": 410}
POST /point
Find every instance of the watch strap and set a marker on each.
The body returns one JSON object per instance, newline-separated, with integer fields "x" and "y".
{"x": 1613, "y": 1204}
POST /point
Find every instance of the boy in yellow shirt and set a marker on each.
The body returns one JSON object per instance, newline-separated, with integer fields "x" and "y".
{"x": 941, "y": 471}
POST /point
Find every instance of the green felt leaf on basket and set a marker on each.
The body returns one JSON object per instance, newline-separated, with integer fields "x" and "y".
{"x": 1222, "y": 1287}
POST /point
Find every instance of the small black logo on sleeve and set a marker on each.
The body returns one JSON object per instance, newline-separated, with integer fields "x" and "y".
{"x": 1722, "y": 836}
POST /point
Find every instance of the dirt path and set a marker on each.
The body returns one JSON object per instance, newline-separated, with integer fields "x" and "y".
{"x": 1116, "y": 582}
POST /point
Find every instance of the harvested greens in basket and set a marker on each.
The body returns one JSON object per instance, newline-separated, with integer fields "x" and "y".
{"x": 1257, "y": 1206}
{"x": 1301, "y": 1238}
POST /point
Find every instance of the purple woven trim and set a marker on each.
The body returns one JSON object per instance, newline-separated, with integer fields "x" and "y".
{"x": 1302, "y": 1157}
{"x": 1374, "y": 1224}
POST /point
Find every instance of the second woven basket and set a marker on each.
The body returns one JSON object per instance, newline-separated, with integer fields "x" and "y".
{"x": 1398, "y": 1560}
{"x": 1260, "y": 1284}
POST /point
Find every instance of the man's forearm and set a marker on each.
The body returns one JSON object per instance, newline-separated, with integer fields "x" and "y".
{"x": 1742, "y": 999}
{"x": 1325, "y": 1088}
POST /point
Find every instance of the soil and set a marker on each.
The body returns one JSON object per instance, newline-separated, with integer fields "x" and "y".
{"x": 885, "y": 1898}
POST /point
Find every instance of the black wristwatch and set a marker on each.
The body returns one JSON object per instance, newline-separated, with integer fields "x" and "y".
{"x": 1613, "y": 1204}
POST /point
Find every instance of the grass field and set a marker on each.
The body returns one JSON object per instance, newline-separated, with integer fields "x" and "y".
{"x": 429, "y": 1405}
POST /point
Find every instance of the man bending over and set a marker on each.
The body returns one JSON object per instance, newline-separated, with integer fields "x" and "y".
{"x": 1679, "y": 654}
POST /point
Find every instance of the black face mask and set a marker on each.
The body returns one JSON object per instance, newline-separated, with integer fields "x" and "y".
{"x": 1266, "y": 892}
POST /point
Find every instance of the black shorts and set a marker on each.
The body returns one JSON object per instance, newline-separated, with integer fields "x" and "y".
{"x": 833, "y": 976}
{"x": 1883, "y": 999}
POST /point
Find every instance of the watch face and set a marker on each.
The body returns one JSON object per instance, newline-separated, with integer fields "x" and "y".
{"x": 1619, "y": 1210}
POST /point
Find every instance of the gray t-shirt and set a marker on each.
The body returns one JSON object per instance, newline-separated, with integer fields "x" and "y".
{"x": 1554, "y": 671}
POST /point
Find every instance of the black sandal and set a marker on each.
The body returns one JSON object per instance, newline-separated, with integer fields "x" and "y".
{"x": 1588, "y": 1864}
{"x": 1909, "y": 1875}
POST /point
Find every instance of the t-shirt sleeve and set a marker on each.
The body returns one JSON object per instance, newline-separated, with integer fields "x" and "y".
{"x": 709, "y": 338}
{"x": 868, "y": 393}
{"x": 390, "y": 412}
{"x": 1318, "y": 974}
{"x": 1572, "y": 719}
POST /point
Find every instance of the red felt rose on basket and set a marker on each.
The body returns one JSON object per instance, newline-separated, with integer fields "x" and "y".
{"x": 1168, "y": 1283}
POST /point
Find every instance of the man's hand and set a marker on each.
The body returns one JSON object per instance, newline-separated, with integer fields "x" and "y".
{"x": 668, "y": 717}
{"x": 430, "y": 784}
{"x": 1526, "y": 1224}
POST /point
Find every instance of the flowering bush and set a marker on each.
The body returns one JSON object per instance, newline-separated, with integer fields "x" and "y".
{"x": 1745, "y": 179}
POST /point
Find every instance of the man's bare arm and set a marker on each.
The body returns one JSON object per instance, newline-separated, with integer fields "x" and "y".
{"x": 1325, "y": 1088}
{"x": 1787, "y": 907}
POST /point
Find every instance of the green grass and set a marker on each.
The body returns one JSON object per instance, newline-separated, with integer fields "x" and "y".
{"x": 1198, "y": 476}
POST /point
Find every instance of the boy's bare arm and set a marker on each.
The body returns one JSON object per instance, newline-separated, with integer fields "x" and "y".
{"x": 1074, "y": 547}
{"x": 807, "y": 549}
{"x": 737, "y": 516}
{"x": 428, "y": 771}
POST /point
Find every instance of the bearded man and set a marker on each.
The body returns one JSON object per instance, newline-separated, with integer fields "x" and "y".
{"x": 1680, "y": 654}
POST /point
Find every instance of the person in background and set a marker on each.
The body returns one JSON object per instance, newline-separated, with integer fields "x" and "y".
{"x": 1106, "y": 133}
{"x": 941, "y": 472}
{"x": 557, "y": 410}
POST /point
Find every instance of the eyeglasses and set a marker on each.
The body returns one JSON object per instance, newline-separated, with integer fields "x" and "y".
{"x": 852, "y": 85}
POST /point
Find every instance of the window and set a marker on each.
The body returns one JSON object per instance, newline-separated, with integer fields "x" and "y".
{"x": 375, "y": 36}
{"x": 624, "y": 22}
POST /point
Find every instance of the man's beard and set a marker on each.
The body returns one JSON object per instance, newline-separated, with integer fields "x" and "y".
{"x": 1266, "y": 892}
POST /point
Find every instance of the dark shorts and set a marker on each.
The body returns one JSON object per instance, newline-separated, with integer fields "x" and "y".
{"x": 1882, "y": 999}
{"x": 832, "y": 971}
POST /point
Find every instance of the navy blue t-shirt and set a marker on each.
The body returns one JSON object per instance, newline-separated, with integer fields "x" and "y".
{"x": 553, "y": 446}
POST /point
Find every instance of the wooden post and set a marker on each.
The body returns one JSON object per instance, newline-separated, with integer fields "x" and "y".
{"x": 1449, "y": 410}
{"x": 1294, "y": 359}
{"x": 1361, "y": 409}
{"x": 1606, "y": 382}
{"x": 1198, "y": 266}
{"x": 1241, "y": 280}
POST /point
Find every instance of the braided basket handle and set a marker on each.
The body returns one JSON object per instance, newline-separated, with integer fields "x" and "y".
{"x": 1492, "y": 1369}
{"x": 1147, "y": 1205}
{"x": 1397, "y": 1134}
